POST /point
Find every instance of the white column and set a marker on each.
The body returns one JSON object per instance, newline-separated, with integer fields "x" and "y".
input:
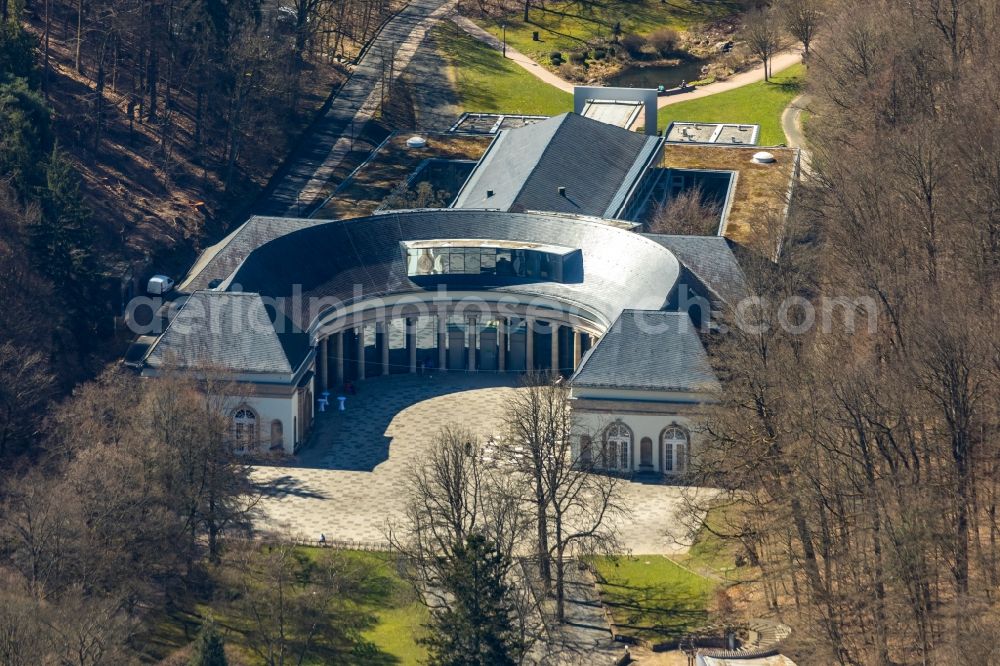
{"x": 361, "y": 351}
{"x": 384, "y": 329}
{"x": 339, "y": 351}
{"x": 529, "y": 344}
{"x": 554, "y": 327}
{"x": 411, "y": 341}
{"x": 577, "y": 348}
{"x": 502, "y": 344}
{"x": 323, "y": 367}
{"x": 472, "y": 344}
{"x": 442, "y": 340}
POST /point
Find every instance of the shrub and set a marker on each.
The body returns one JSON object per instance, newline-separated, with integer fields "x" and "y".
{"x": 633, "y": 44}
{"x": 556, "y": 58}
{"x": 209, "y": 649}
{"x": 571, "y": 72}
{"x": 578, "y": 58}
{"x": 664, "y": 40}
{"x": 599, "y": 54}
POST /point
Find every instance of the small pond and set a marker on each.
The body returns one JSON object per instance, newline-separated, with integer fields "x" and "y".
{"x": 668, "y": 76}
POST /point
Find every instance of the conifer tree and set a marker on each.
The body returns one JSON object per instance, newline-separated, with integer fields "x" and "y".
{"x": 477, "y": 628}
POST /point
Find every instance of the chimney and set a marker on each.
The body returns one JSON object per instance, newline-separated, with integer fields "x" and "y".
{"x": 489, "y": 193}
{"x": 562, "y": 191}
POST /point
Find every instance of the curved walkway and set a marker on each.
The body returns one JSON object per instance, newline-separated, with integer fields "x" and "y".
{"x": 791, "y": 123}
{"x": 513, "y": 54}
{"x": 781, "y": 62}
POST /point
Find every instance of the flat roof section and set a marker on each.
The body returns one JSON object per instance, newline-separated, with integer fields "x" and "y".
{"x": 761, "y": 193}
{"x": 392, "y": 163}
{"x": 491, "y": 123}
{"x": 732, "y": 134}
{"x": 613, "y": 112}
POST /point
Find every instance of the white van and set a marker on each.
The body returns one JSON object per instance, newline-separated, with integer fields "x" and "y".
{"x": 159, "y": 284}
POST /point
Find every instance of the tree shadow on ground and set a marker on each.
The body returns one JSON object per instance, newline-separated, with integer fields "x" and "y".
{"x": 659, "y": 610}
{"x": 790, "y": 86}
{"x": 285, "y": 486}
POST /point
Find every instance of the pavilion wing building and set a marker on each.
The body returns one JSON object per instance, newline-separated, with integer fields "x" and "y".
{"x": 566, "y": 164}
{"x": 537, "y": 266}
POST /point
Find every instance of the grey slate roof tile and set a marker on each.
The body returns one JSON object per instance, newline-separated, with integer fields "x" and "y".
{"x": 711, "y": 260}
{"x": 335, "y": 259}
{"x": 648, "y": 350}
{"x": 231, "y": 331}
{"x": 249, "y": 236}
{"x": 597, "y": 163}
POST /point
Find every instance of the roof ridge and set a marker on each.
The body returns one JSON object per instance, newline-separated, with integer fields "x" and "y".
{"x": 548, "y": 147}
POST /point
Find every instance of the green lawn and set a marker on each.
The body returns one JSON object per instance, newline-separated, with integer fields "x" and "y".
{"x": 488, "y": 83}
{"x": 711, "y": 554}
{"x": 757, "y": 103}
{"x": 389, "y": 614}
{"x": 567, "y": 25}
{"x": 651, "y": 597}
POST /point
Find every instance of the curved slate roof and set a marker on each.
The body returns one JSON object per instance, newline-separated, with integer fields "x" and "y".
{"x": 220, "y": 260}
{"x": 597, "y": 163}
{"x": 711, "y": 260}
{"x": 653, "y": 351}
{"x": 333, "y": 260}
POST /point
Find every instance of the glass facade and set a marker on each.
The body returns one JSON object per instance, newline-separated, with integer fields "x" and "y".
{"x": 484, "y": 261}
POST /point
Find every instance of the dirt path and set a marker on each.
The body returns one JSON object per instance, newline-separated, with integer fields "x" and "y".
{"x": 791, "y": 123}
{"x": 306, "y": 178}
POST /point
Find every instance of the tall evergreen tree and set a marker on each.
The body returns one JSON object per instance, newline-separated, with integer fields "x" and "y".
{"x": 477, "y": 628}
{"x": 17, "y": 54}
{"x": 62, "y": 248}
{"x": 25, "y": 136}
{"x": 60, "y": 239}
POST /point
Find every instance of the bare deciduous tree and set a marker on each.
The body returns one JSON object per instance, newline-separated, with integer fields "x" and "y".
{"x": 762, "y": 33}
{"x": 463, "y": 490}
{"x": 802, "y": 19}
{"x": 576, "y": 509}
{"x": 286, "y": 601}
{"x": 689, "y": 212}
{"x": 25, "y": 386}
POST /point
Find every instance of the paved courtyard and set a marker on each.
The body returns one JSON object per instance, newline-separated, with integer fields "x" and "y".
{"x": 350, "y": 479}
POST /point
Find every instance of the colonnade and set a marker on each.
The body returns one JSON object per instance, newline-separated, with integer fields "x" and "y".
{"x": 481, "y": 349}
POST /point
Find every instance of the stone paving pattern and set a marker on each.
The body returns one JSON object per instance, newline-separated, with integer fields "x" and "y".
{"x": 349, "y": 479}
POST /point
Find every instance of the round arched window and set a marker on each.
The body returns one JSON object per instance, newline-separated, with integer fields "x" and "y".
{"x": 244, "y": 428}
{"x": 674, "y": 445}
{"x": 617, "y": 444}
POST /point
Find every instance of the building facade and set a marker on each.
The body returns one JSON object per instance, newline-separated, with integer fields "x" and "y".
{"x": 291, "y": 310}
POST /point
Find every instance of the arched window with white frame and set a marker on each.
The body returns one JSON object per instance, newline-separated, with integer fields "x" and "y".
{"x": 244, "y": 428}
{"x": 617, "y": 447}
{"x": 674, "y": 445}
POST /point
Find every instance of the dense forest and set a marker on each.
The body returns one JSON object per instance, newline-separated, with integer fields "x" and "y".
{"x": 865, "y": 460}
{"x": 131, "y": 133}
